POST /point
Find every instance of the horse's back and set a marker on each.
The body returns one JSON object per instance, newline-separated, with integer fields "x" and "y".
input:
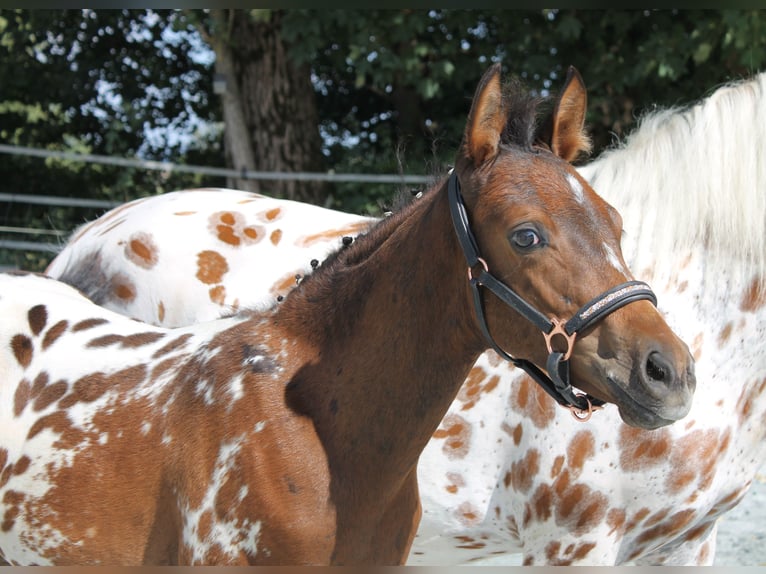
{"x": 214, "y": 234}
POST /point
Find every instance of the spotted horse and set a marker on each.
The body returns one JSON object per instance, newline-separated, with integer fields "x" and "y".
{"x": 291, "y": 434}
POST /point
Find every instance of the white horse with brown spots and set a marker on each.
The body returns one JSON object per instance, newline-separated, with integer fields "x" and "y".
{"x": 222, "y": 232}
{"x": 507, "y": 470}
{"x": 292, "y": 435}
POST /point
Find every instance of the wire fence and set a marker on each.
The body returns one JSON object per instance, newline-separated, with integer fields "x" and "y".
{"x": 31, "y": 232}
{"x": 30, "y": 244}
{"x": 170, "y": 167}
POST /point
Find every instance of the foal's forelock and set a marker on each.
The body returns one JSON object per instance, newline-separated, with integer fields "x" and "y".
{"x": 695, "y": 176}
{"x": 522, "y": 128}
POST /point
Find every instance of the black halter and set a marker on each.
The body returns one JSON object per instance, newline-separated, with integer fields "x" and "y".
{"x": 556, "y": 382}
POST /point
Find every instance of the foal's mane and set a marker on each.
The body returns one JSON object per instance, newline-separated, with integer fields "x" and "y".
{"x": 695, "y": 175}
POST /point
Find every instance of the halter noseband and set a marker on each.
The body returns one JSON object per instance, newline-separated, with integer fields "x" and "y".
{"x": 556, "y": 382}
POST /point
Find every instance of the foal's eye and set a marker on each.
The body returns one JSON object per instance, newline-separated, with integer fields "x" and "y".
{"x": 525, "y": 239}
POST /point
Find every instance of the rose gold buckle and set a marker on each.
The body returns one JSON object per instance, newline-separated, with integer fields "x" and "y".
{"x": 583, "y": 415}
{"x": 558, "y": 329}
{"x": 483, "y": 264}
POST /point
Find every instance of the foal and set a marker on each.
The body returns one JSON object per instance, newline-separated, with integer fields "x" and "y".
{"x": 292, "y": 436}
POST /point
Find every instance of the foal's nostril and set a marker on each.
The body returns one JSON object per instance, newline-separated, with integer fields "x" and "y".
{"x": 659, "y": 369}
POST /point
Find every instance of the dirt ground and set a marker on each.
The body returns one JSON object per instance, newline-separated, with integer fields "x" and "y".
{"x": 742, "y": 532}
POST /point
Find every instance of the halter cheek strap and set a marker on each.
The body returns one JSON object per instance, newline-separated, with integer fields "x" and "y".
{"x": 556, "y": 381}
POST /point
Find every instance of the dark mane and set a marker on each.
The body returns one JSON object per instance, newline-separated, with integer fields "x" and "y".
{"x": 329, "y": 278}
{"x": 368, "y": 242}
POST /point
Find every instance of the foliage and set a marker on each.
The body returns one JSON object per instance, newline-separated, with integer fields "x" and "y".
{"x": 95, "y": 82}
{"x": 392, "y": 86}
{"x": 630, "y": 59}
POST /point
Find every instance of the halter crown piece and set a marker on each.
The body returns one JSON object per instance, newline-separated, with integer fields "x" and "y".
{"x": 556, "y": 381}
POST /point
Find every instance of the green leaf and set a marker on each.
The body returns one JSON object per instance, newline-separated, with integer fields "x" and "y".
{"x": 702, "y": 53}
{"x": 569, "y": 27}
{"x": 664, "y": 70}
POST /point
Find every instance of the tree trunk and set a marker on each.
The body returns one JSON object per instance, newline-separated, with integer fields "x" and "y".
{"x": 270, "y": 112}
{"x": 237, "y": 145}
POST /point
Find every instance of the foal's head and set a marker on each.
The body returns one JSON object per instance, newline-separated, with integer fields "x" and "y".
{"x": 545, "y": 233}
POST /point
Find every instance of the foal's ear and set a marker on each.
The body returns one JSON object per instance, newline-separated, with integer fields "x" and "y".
{"x": 486, "y": 119}
{"x": 566, "y": 126}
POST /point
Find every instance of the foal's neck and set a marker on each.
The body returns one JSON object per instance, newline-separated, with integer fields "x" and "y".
{"x": 394, "y": 337}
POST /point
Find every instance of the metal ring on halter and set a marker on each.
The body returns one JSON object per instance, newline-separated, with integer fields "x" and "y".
{"x": 483, "y": 264}
{"x": 559, "y": 329}
{"x": 581, "y": 414}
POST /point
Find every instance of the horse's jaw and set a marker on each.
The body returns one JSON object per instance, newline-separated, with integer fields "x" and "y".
{"x": 644, "y": 415}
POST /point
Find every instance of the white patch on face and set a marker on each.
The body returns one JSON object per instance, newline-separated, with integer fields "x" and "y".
{"x": 577, "y": 189}
{"x": 615, "y": 261}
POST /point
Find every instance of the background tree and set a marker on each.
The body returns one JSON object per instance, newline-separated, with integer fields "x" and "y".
{"x": 378, "y": 91}
{"x": 269, "y": 106}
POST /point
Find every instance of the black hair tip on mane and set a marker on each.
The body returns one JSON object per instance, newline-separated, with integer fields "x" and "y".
{"x": 403, "y": 198}
{"x": 524, "y": 110}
